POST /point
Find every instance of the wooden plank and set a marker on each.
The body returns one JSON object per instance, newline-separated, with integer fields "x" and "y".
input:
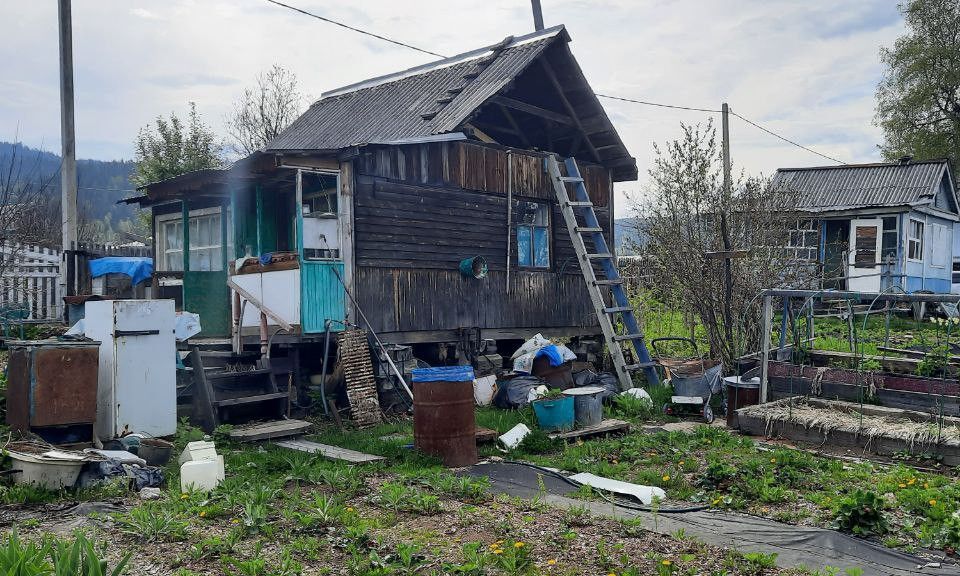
{"x": 268, "y": 430}
{"x": 486, "y": 435}
{"x": 608, "y": 426}
{"x": 328, "y": 451}
{"x": 533, "y": 110}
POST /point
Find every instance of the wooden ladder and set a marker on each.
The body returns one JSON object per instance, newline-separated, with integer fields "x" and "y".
{"x": 580, "y": 205}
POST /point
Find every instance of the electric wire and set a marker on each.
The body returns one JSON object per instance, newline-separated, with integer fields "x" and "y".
{"x": 358, "y": 30}
{"x": 608, "y": 96}
{"x": 657, "y": 104}
{"x": 785, "y": 139}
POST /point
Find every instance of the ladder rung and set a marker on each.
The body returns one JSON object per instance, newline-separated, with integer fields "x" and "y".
{"x": 618, "y": 309}
{"x": 583, "y": 229}
{"x": 575, "y": 203}
{"x": 631, "y": 367}
{"x": 599, "y": 256}
{"x": 624, "y": 337}
{"x": 571, "y": 179}
{"x": 607, "y": 282}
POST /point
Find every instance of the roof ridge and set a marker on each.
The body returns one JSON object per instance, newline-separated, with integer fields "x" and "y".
{"x": 508, "y": 42}
{"x": 866, "y": 165}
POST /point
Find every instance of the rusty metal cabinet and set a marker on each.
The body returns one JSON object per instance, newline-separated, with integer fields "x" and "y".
{"x": 52, "y": 388}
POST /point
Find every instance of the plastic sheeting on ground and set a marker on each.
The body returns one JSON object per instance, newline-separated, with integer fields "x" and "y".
{"x": 137, "y": 268}
{"x": 813, "y": 548}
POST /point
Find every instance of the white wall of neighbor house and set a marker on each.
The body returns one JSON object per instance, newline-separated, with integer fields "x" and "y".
{"x": 928, "y": 242}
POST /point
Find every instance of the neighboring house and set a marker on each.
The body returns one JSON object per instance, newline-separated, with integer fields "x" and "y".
{"x": 875, "y": 226}
{"x": 384, "y": 187}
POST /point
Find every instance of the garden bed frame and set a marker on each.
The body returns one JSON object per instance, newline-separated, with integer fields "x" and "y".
{"x": 756, "y": 421}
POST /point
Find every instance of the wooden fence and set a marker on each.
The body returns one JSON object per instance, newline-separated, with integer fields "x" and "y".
{"x": 30, "y": 285}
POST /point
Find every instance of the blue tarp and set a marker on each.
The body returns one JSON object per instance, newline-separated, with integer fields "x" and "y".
{"x": 137, "y": 268}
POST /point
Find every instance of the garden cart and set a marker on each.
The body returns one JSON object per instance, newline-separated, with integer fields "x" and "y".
{"x": 694, "y": 379}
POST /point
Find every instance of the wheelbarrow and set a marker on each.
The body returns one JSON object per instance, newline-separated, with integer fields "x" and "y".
{"x": 694, "y": 379}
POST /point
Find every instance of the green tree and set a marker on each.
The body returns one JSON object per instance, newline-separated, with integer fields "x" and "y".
{"x": 172, "y": 147}
{"x": 918, "y": 100}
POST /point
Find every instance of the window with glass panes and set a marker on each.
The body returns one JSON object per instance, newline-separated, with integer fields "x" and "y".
{"x": 205, "y": 243}
{"x": 532, "y": 228}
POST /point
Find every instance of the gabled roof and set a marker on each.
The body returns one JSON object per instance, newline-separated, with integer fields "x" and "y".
{"x": 443, "y": 96}
{"x": 853, "y": 186}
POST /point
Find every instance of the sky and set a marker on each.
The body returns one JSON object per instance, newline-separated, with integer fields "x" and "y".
{"x": 805, "y": 69}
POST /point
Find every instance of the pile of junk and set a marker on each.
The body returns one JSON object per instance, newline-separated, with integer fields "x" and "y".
{"x": 565, "y": 393}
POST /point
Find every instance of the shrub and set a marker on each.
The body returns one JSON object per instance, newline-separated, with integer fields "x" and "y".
{"x": 861, "y": 513}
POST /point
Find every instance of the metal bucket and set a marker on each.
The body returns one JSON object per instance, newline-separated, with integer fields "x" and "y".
{"x": 475, "y": 267}
{"x": 444, "y": 424}
{"x": 587, "y": 405}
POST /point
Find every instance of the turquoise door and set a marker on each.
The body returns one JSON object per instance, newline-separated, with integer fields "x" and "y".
{"x": 321, "y": 295}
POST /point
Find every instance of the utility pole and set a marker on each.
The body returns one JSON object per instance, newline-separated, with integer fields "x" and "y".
{"x": 725, "y": 231}
{"x": 537, "y": 15}
{"x": 68, "y": 167}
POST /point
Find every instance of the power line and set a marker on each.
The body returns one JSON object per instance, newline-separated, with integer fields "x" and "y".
{"x": 620, "y": 98}
{"x": 348, "y": 27}
{"x": 785, "y": 139}
{"x": 658, "y": 104}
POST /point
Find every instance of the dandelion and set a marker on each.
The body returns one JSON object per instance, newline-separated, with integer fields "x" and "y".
{"x": 551, "y": 562}
{"x": 682, "y": 462}
{"x": 902, "y": 485}
{"x": 236, "y": 520}
{"x": 764, "y": 509}
{"x": 518, "y": 544}
{"x": 666, "y": 477}
{"x": 933, "y": 502}
{"x": 911, "y": 481}
{"x": 773, "y": 460}
{"x": 666, "y": 562}
{"x": 615, "y": 461}
{"x": 717, "y": 501}
{"x": 349, "y": 508}
{"x": 494, "y": 546}
{"x": 184, "y": 496}
{"x": 203, "y": 513}
{"x": 498, "y": 551}
{"x": 926, "y": 484}
{"x": 612, "y": 574}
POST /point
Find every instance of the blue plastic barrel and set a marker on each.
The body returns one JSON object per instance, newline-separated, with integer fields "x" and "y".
{"x": 444, "y": 374}
{"x": 554, "y": 414}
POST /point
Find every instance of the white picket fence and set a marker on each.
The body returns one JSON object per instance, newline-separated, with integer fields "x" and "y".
{"x": 29, "y": 282}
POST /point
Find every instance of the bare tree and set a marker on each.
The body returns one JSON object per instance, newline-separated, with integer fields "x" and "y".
{"x": 683, "y": 248}
{"x": 265, "y": 110}
{"x": 27, "y": 213}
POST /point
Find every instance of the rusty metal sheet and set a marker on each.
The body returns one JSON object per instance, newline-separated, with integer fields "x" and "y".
{"x": 18, "y": 390}
{"x": 64, "y": 385}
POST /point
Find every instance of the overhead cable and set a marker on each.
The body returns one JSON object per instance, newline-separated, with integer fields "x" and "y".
{"x": 358, "y": 30}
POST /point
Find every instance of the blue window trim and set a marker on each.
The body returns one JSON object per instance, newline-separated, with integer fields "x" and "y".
{"x": 532, "y": 235}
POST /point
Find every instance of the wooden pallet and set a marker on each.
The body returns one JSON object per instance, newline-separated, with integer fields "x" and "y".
{"x": 327, "y": 451}
{"x": 608, "y": 426}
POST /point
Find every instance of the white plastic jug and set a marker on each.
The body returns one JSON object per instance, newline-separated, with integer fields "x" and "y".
{"x": 202, "y": 475}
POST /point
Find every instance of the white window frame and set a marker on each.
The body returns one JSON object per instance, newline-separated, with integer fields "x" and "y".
{"x": 160, "y": 222}
{"x": 915, "y": 239}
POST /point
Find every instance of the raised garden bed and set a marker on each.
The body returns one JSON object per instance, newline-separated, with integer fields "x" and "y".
{"x": 878, "y": 429}
{"x": 890, "y": 390}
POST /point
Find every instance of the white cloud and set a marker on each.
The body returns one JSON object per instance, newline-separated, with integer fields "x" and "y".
{"x": 807, "y": 70}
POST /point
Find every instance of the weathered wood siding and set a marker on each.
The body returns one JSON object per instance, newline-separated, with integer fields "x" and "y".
{"x": 421, "y": 209}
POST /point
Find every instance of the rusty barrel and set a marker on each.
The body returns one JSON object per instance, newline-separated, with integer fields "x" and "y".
{"x": 741, "y": 392}
{"x": 443, "y": 414}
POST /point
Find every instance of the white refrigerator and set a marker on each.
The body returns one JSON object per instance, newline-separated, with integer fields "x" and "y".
{"x": 137, "y": 387}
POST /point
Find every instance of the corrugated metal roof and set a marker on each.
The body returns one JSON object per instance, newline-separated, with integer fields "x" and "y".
{"x": 863, "y": 185}
{"x": 393, "y": 107}
{"x": 428, "y": 100}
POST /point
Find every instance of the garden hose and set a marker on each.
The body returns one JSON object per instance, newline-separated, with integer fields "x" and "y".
{"x": 615, "y": 502}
